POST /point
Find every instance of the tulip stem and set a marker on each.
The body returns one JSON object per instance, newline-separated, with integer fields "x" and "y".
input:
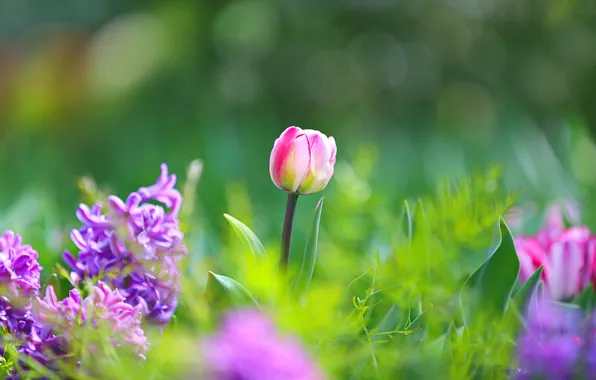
{"x": 286, "y": 236}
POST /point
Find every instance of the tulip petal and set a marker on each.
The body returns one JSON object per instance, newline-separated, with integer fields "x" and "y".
{"x": 297, "y": 164}
{"x": 291, "y": 163}
{"x": 564, "y": 272}
{"x": 531, "y": 257}
{"x": 333, "y": 149}
{"x": 280, "y": 155}
{"x": 590, "y": 256}
{"x": 321, "y": 169}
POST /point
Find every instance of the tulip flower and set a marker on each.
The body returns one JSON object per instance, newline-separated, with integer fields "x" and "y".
{"x": 566, "y": 255}
{"x": 302, "y": 161}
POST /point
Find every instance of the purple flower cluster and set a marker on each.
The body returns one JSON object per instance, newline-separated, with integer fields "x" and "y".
{"x": 135, "y": 247}
{"x": 19, "y": 269}
{"x": 558, "y": 343}
{"x": 248, "y": 347}
{"x": 104, "y": 307}
{"x": 131, "y": 252}
{"x": 19, "y": 278}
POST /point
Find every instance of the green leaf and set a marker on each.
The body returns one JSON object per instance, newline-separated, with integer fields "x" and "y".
{"x": 310, "y": 252}
{"x": 224, "y": 292}
{"x": 406, "y": 220}
{"x": 491, "y": 286}
{"x": 419, "y": 217}
{"x": 389, "y": 323}
{"x": 587, "y": 299}
{"x": 522, "y": 296}
{"x": 254, "y": 244}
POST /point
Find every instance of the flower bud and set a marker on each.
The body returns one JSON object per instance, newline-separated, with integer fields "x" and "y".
{"x": 302, "y": 161}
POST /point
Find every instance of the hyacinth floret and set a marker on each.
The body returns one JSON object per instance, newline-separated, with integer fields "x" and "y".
{"x": 20, "y": 281}
{"x": 103, "y": 307}
{"x": 19, "y": 269}
{"x": 135, "y": 246}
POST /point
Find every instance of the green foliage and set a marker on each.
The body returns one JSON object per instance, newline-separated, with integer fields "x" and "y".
{"x": 245, "y": 233}
{"x": 310, "y": 253}
{"x": 365, "y": 312}
{"x": 587, "y": 299}
{"x": 522, "y": 296}
{"x": 223, "y": 292}
{"x": 490, "y": 288}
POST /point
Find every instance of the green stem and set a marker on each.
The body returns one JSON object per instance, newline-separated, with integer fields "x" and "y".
{"x": 286, "y": 236}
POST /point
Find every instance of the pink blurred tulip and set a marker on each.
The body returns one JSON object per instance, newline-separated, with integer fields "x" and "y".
{"x": 302, "y": 161}
{"x": 562, "y": 211}
{"x": 567, "y": 257}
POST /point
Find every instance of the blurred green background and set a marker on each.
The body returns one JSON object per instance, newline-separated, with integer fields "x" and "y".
{"x": 411, "y": 90}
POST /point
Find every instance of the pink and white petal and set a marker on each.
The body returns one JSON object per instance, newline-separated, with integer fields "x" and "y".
{"x": 527, "y": 268}
{"x": 576, "y": 234}
{"x": 555, "y": 284}
{"x": 565, "y": 261}
{"x": 280, "y": 154}
{"x": 289, "y": 134}
{"x": 589, "y": 261}
{"x": 320, "y": 167}
{"x": 320, "y": 150}
{"x": 574, "y": 260}
{"x": 333, "y": 148}
{"x": 531, "y": 257}
{"x": 297, "y": 164}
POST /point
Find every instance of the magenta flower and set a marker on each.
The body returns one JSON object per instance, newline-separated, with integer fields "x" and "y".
{"x": 567, "y": 256}
{"x": 248, "y": 347}
{"x": 103, "y": 307}
{"x": 302, "y": 161}
{"x": 135, "y": 247}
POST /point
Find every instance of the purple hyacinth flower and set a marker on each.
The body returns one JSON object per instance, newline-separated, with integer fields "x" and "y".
{"x": 248, "y": 347}
{"x": 135, "y": 246}
{"x": 19, "y": 269}
{"x": 104, "y": 306}
{"x": 551, "y": 347}
{"x": 19, "y": 275}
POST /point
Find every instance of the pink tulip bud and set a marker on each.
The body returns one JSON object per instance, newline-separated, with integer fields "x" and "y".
{"x": 567, "y": 257}
{"x": 302, "y": 161}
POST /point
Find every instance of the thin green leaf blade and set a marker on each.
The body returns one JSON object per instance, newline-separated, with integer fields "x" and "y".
{"x": 246, "y": 234}
{"x": 406, "y": 224}
{"x": 310, "y": 252}
{"x": 223, "y": 292}
{"x": 522, "y": 296}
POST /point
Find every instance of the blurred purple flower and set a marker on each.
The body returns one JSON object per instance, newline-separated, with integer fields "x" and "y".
{"x": 248, "y": 347}
{"x": 103, "y": 307}
{"x": 19, "y": 269}
{"x": 557, "y": 342}
{"x": 135, "y": 247}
